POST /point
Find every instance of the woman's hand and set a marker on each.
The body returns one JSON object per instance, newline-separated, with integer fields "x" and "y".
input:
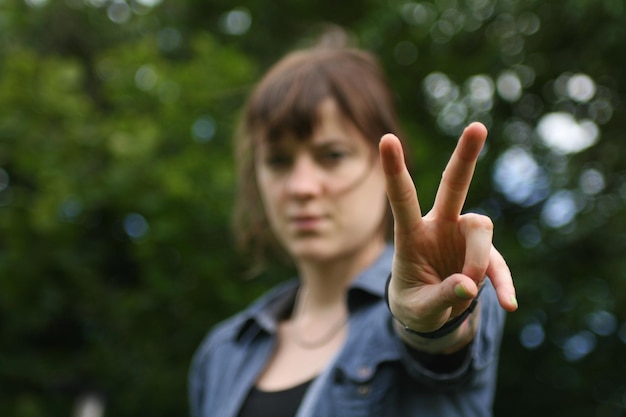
{"x": 442, "y": 258}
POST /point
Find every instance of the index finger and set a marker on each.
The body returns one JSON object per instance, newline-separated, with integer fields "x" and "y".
{"x": 399, "y": 184}
{"x": 457, "y": 176}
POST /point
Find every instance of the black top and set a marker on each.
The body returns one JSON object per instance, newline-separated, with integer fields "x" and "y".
{"x": 283, "y": 403}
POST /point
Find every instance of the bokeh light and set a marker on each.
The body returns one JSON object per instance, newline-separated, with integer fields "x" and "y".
{"x": 236, "y": 22}
{"x": 169, "y": 39}
{"x": 560, "y": 209}
{"x": 592, "y": 181}
{"x": 528, "y": 23}
{"x": 519, "y": 177}
{"x": 96, "y": 3}
{"x": 601, "y": 110}
{"x": 419, "y": 14}
{"x": 70, "y": 209}
{"x": 565, "y": 135}
{"x": 509, "y": 86}
{"x": 480, "y": 89}
{"x": 36, "y": 3}
{"x": 602, "y": 323}
{"x": 579, "y": 345}
{"x": 203, "y": 129}
{"x": 442, "y": 31}
{"x": 119, "y": 12}
{"x": 146, "y": 78}
{"x": 136, "y": 227}
{"x": 451, "y": 118}
{"x": 532, "y": 335}
{"x": 440, "y": 89}
{"x": 149, "y": 3}
{"x": 581, "y": 88}
{"x": 89, "y": 405}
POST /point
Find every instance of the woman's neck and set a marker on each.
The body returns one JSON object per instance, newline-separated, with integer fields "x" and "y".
{"x": 326, "y": 282}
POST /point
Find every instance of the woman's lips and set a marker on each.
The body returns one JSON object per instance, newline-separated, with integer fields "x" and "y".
{"x": 305, "y": 222}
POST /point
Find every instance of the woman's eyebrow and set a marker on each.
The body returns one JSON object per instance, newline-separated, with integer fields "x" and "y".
{"x": 333, "y": 140}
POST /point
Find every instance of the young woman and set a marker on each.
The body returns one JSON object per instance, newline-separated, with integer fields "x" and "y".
{"x": 369, "y": 327}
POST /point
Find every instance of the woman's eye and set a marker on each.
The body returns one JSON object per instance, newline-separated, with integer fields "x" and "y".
{"x": 333, "y": 157}
{"x": 278, "y": 161}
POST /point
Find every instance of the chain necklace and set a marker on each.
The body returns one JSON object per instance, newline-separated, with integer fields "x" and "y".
{"x": 322, "y": 341}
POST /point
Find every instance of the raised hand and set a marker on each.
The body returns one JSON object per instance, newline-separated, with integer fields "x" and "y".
{"x": 442, "y": 258}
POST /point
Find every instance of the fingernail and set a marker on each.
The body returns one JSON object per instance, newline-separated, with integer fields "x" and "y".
{"x": 514, "y": 301}
{"x": 461, "y": 291}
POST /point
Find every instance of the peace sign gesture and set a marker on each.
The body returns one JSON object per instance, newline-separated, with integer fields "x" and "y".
{"x": 442, "y": 258}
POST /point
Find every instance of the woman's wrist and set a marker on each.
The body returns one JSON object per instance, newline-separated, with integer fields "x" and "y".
{"x": 450, "y": 343}
{"x": 452, "y": 336}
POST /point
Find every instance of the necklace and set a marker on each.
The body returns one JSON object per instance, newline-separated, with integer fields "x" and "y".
{"x": 322, "y": 341}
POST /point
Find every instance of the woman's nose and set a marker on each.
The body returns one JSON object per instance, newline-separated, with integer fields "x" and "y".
{"x": 304, "y": 180}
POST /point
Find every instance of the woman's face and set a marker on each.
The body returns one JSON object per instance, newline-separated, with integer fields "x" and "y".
{"x": 324, "y": 196}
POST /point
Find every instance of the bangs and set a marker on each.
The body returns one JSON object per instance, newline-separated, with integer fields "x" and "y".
{"x": 287, "y": 100}
{"x": 287, "y": 103}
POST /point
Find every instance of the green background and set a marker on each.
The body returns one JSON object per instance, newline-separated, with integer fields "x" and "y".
{"x": 116, "y": 182}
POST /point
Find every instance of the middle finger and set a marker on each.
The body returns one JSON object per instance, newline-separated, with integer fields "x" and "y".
{"x": 457, "y": 176}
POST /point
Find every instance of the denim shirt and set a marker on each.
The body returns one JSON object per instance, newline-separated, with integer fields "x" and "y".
{"x": 374, "y": 373}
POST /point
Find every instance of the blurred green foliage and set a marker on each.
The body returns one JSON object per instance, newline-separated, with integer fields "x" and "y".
{"x": 116, "y": 183}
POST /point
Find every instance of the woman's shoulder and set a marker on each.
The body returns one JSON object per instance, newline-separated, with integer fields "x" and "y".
{"x": 263, "y": 311}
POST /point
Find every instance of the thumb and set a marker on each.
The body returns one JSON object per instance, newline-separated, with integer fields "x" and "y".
{"x": 431, "y": 306}
{"x": 457, "y": 290}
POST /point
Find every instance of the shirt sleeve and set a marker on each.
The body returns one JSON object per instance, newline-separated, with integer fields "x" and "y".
{"x": 475, "y": 364}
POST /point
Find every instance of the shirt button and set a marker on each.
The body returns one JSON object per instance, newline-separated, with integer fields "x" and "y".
{"x": 365, "y": 371}
{"x": 364, "y": 390}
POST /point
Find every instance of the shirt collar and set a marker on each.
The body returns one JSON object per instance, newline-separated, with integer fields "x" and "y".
{"x": 267, "y": 311}
{"x": 373, "y": 279}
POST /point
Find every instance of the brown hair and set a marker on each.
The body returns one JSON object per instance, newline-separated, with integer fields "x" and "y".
{"x": 286, "y": 101}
